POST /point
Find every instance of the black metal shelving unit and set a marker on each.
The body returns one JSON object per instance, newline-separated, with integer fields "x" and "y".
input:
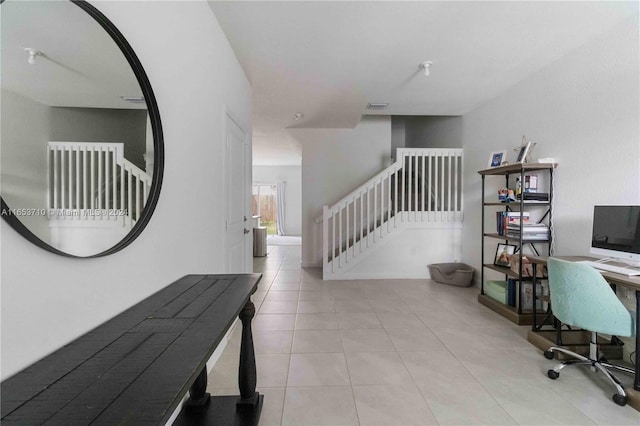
{"x": 517, "y": 315}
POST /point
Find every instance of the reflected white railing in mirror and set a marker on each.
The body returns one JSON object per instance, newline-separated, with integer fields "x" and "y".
{"x": 423, "y": 186}
{"x": 93, "y": 181}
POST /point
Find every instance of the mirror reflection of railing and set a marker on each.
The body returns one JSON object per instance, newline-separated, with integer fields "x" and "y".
{"x": 93, "y": 181}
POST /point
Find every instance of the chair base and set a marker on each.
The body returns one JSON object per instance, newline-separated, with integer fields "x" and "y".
{"x": 595, "y": 362}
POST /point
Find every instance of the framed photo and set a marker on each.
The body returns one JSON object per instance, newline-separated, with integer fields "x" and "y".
{"x": 497, "y": 158}
{"x": 522, "y": 154}
{"x": 503, "y": 254}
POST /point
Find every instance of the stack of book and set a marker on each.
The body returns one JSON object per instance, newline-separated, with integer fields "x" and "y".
{"x": 529, "y": 231}
{"x": 504, "y": 219}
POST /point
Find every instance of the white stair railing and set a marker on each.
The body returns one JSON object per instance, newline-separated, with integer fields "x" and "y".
{"x": 423, "y": 185}
{"x": 93, "y": 181}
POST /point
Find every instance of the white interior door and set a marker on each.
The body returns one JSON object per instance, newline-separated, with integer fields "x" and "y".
{"x": 237, "y": 225}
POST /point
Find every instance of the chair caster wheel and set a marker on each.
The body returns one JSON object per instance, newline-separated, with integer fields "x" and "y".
{"x": 552, "y": 374}
{"x": 548, "y": 354}
{"x": 619, "y": 399}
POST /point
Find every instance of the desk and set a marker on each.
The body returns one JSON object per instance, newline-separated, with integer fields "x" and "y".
{"x": 136, "y": 368}
{"x": 632, "y": 283}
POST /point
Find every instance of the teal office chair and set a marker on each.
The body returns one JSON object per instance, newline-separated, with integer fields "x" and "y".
{"x": 581, "y": 297}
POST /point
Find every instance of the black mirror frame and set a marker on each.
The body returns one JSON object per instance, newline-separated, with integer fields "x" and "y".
{"x": 158, "y": 145}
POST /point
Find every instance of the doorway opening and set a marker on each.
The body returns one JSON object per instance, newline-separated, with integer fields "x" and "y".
{"x": 263, "y": 202}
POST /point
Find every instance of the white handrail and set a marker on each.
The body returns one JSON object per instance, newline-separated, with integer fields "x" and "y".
{"x": 423, "y": 185}
{"x": 85, "y": 176}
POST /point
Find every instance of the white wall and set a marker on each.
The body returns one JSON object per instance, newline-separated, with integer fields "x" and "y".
{"x": 407, "y": 252}
{"x": 292, "y": 175}
{"x": 25, "y": 133}
{"x": 409, "y": 131}
{"x": 335, "y": 162}
{"x": 433, "y": 132}
{"x": 127, "y": 126}
{"x": 581, "y": 110}
{"x": 48, "y": 300}
{"x": 398, "y": 134}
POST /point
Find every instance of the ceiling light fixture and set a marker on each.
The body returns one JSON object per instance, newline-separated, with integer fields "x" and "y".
{"x": 377, "y": 105}
{"x": 32, "y": 55}
{"x": 298, "y": 116}
{"x": 425, "y": 66}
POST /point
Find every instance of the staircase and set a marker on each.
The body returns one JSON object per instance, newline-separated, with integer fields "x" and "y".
{"x": 422, "y": 189}
{"x": 92, "y": 184}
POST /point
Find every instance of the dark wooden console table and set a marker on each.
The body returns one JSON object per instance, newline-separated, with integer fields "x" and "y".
{"x": 137, "y": 368}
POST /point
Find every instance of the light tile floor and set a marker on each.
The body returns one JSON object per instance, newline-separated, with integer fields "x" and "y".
{"x": 399, "y": 352}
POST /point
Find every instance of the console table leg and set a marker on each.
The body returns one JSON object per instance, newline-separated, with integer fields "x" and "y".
{"x": 247, "y": 372}
{"x": 198, "y": 396}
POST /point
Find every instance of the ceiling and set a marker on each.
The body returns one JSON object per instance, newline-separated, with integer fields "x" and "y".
{"x": 329, "y": 59}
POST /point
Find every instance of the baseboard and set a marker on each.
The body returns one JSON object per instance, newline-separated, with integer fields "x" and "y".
{"x": 377, "y": 276}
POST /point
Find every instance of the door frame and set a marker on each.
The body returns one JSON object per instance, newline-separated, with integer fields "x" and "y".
{"x": 248, "y": 238}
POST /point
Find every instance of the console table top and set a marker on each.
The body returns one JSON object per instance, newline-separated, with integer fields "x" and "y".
{"x": 136, "y": 367}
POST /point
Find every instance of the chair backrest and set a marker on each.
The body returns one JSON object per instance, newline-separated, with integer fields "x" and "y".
{"x": 581, "y": 297}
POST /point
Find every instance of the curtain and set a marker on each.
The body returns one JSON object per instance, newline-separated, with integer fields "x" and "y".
{"x": 280, "y": 187}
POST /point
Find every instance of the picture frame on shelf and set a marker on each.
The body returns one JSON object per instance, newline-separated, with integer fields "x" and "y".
{"x": 523, "y": 152}
{"x": 497, "y": 158}
{"x": 503, "y": 255}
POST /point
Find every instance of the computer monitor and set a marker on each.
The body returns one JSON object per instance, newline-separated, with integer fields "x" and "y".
{"x": 616, "y": 232}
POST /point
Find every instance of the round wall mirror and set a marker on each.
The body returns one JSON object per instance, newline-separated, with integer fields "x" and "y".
{"x": 81, "y": 139}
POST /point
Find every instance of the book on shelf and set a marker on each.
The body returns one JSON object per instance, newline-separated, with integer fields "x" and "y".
{"x": 528, "y": 227}
{"x": 529, "y": 231}
{"x": 537, "y": 237}
{"x": 506, "y": 218}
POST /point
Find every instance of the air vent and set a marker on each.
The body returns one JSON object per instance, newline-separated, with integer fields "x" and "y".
{"x": 134, "y": 99}
{"x": 377, "y": 105}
